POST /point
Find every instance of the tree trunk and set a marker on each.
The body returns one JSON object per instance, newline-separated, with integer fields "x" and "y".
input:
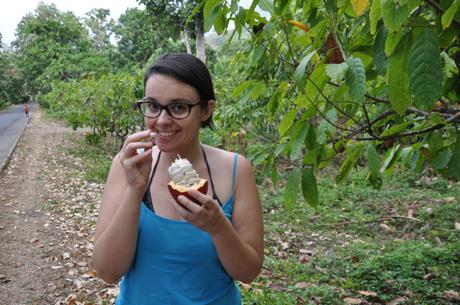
{"x": 200, "y": 43}
{"x": 186, "y": 41}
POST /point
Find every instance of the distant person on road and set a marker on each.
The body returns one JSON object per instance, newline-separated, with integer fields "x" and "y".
{"x": 26, "y": 109}
{"x": 183, "y": 252}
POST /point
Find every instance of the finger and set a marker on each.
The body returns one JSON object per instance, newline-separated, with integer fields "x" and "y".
{"x": 137, "y": 137}
{"x": 138, "y": 158}
{"x": 133, "y": 148}
{"x": 205, "y": 200}
{"x": 189, "y": 204}
{"x": 181, "y": 209}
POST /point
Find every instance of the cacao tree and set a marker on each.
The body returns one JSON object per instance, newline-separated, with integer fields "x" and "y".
{"x": 365, "y": 80}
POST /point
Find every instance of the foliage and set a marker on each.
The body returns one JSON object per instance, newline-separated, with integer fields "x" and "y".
{"x": 49, "y": 43}
{"x": 138, "y": 35}
{"x": 101, "y": 27}
{"x": 11, "y": 90}
{"x": 352, "y": 79}
{"x": 187, "y": 14}
{"x": 105, "y": 104}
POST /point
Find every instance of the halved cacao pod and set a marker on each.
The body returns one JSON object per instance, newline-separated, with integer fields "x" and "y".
{"x": 176, "y": 190}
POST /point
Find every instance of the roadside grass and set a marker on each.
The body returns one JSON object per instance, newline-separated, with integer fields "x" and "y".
{"x": 397, "y": 245}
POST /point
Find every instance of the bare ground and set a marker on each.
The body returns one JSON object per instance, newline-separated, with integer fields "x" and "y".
{"x": 47, "y": 216}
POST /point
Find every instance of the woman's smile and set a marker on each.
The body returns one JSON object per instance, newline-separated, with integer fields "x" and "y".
{"x": 166, "y": 134}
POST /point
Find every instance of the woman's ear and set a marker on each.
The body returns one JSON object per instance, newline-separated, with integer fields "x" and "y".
{"x": 208, "y": 110}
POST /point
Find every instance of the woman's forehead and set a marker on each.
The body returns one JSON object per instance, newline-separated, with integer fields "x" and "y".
{"x": 159, "y": 85}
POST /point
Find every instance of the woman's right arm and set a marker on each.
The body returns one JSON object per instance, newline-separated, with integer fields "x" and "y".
{"x": 117, "y": 224}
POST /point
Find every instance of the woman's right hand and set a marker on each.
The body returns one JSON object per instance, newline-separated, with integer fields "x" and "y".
{"x": 137, "y": 165}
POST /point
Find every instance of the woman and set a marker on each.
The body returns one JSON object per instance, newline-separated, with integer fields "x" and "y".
{"x": 171, "y": 253}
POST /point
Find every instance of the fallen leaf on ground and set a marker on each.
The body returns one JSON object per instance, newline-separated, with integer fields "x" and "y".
{"x": 397, "y": 301}
{"x": 278, "y": 287}
{"x": 368, "y": 293}
{"x": 451, "y": 295}
{"x": 386, "y": 227}
{"x": 353, "y": 301}
{"x": 302, "y": 285}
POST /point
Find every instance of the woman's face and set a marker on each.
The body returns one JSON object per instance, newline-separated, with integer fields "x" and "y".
{"x": 173, "y": 135}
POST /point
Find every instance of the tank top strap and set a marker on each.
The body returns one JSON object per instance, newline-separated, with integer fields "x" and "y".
{"x": 235, "y": 159}
{"x": 147, "y": 199}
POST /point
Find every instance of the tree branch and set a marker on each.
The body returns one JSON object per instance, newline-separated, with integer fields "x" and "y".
{"x": 412, "y": 133}
{"x": 333, "y": 105}
{"x": 439, "y": 9}
{"x": 288, "y": 42}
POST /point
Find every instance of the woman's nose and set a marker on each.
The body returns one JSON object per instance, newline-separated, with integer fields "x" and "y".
{"x": 164, "y": 117}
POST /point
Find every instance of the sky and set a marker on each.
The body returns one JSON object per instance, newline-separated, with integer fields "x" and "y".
{"x": 12, "y": 13}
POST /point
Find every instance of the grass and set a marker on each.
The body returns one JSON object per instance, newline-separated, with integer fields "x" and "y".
{"x": 352, "y": 243}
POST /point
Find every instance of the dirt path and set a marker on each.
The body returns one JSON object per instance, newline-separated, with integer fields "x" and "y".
{"x": 47, "y": 215}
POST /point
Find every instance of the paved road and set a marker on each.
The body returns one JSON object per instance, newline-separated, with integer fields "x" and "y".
{"x": 12, "y": 124}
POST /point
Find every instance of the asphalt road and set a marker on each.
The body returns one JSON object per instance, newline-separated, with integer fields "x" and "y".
{"x": 12, "y": 124}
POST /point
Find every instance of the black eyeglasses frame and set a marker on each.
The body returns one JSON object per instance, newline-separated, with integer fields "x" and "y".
{"x": 189, "y": 104}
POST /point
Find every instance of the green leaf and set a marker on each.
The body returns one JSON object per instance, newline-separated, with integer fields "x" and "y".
{"x": 453, "y": 167}
{"x": 292, "y": 189}
{"x": 287, "y": 121}
{"x": 450, "y": 68}
{"x": 275, "y": 175}
{"x": 310, "y": 187}
{"x": 395, "y": 129}
{"x": 398, "y": 77}
{"x": 337, "y": 71}
{"x": 195, "y": 11}
{"x": 241, "y": 88}
{"x": 325, "y": 127}
{"x": 299, "y": 132}
{"x": 425, "y": 70}
{"x": 352, "y": 155}
{"x": 441, "y": 159}
{"x": 299, "y": 75}
{"x": 311, "y": 157}
{"x": 280, "y": 5}
{"x": 221, "y": 21}
{"x": 374, "y": 15}
{"x": 355, "y": 78}
{"x": 448, "y": 16}
{"x": 390, "y": 159}
{"x": 392, "y": 41}
{"x": 373, "y": 160}
{"x": 318, "y": 78}
{"x": 378, "y": 52}
{"x": 210, "y": 12}
{"x": 258, "y": 89}
{"x": 274, "y": 101}
{"x": 394, "y": 15}
{"x": 257, "y": 54}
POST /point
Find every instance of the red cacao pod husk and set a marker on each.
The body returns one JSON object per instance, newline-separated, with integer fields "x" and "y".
{"x": 176, "y": 190}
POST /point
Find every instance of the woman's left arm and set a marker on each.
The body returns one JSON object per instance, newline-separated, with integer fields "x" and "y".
{"x": 239, "y": 244}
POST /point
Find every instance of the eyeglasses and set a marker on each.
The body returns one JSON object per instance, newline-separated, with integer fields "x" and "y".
{"x": 178, "y": 110}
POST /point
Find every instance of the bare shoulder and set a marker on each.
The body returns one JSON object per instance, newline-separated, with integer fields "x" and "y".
{"x": 227, "y": 158}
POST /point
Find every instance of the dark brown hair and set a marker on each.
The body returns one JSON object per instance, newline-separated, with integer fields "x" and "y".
{"x": 187, "y": 69}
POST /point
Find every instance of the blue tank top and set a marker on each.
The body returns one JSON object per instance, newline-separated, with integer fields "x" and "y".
{"x": 176, "y": 263}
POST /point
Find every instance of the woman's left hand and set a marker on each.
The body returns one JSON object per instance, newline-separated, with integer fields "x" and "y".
{"x": 208, "y": 216}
